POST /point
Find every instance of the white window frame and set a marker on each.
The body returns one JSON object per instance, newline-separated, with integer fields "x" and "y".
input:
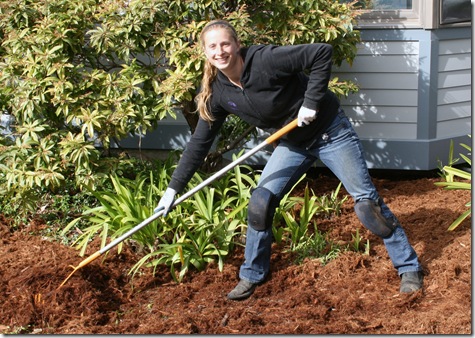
{"x": 424, "y": 14}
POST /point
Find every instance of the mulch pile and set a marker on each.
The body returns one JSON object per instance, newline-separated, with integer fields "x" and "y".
{"x": 353, "y": 294}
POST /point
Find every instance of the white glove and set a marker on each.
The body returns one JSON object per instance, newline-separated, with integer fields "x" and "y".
{"x": 166, "y": 201}
{"x": 306, "y": 116}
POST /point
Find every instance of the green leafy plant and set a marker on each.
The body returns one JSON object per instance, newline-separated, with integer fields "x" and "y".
{"x": 356, "y": 243}
{"x": 298, "y": 229}
{"x": 74, "y": 88}
{"x": 128, "y": 204}
{"x": 450, "y": 173}
{"x": 203, "y": 228}
{"x": 331, "y": 205}
{"x": 316, "y": 246}
{"x": 207, "y": 224}
{"x": 196, "y": 232}
{"x": 286, "y": 203}
{"x": 356, "y": 240}
{"x": 305, "y": 243}
{"x": 192, "y": 245}
{"x": 450, "y": 162}
{"x": 299, "y": 216}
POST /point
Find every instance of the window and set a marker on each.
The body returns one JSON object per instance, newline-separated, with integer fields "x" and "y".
{"x": 428, "y": 14}
{"x": 455, "y": 11}
{"x": 381, "y": 5}
{"x": 388, "y": 13}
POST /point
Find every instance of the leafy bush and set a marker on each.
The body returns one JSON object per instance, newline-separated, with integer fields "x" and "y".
{"x": 198, "y": 231}
{"x": 68, "y": 91}
{"x": 128, "y": 202}
{"x": 79, "y": 75}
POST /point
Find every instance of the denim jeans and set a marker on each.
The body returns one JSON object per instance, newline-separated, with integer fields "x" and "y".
{"x": 339, "y": 148}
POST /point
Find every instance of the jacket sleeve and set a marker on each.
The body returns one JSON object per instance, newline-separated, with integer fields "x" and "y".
{"x": 315, "y": 59}
{"x": 195, "y": 152}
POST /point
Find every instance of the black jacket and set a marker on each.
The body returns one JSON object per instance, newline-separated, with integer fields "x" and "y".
{"x": 275, "y": 86}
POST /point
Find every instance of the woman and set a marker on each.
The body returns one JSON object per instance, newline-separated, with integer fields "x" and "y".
{"x": 266, "y": 86}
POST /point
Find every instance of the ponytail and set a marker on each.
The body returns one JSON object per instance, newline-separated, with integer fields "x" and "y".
{"x": 204, "y": 95}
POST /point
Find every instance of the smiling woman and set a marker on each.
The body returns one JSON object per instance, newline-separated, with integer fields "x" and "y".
{"x": 210, "y": 48}
{"x": 267, "y": 86}
{"x": 222, "y": 50}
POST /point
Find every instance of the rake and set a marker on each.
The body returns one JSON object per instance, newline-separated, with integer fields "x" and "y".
{"x": 271, "y": 139}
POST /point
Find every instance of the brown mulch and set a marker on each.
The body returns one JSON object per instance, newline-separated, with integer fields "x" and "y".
{"x": 352, "y": 294}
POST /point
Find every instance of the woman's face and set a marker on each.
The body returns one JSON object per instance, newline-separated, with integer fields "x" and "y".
{"x": 221, "y": 49}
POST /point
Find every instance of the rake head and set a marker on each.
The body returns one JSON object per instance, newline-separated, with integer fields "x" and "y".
{"x": 80, "y": 265}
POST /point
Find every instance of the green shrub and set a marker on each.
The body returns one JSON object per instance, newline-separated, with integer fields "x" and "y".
{"x": 79, "y": 75}
{"x": 196, "y": 232}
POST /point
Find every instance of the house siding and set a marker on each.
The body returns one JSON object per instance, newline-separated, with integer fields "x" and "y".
{"x": 454, "y": 88}
{"x": 414, "y": 97}
{"x": 385, "y": 107}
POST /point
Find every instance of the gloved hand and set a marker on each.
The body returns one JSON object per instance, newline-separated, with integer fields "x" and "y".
{"x": 166, "y": 201}
{"x": 305, "y": 116}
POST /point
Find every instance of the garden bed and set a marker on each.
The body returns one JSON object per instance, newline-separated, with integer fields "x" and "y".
{"x": 352, "y": 294}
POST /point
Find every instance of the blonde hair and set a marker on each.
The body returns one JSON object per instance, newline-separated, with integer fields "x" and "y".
{"x": 210, "y": 72}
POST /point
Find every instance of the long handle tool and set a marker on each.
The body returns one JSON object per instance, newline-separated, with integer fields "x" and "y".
{"x": 271, "y": 139}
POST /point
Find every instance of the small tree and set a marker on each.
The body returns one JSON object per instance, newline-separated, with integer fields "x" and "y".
{"x": 79, "y": 74}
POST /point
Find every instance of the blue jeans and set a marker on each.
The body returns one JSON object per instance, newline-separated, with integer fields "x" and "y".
{"x": 340, "y": 150}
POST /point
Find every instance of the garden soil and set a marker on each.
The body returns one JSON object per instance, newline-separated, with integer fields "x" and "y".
{"x": 355, "y": 293}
